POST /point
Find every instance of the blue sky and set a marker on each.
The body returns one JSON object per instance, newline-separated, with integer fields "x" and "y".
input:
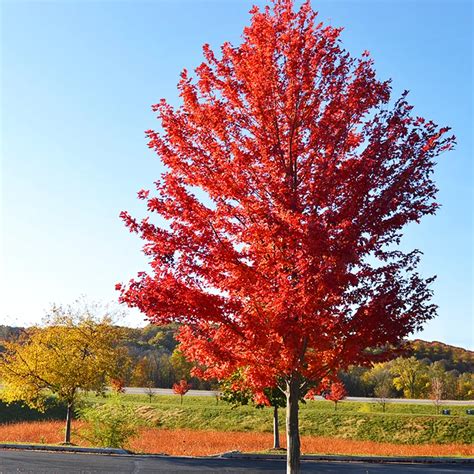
{"x": 78, "y": 79}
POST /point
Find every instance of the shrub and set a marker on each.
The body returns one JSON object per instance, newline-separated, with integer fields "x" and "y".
{"x": 110, "y": 425}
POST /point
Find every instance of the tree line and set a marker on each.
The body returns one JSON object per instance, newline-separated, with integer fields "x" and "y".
{"x": 419, "y": 368}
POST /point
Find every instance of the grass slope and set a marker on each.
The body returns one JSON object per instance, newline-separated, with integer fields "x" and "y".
{"x": 402, "y": 423}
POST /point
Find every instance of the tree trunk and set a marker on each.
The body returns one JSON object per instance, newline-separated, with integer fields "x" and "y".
{"x": 292, "y": 427}
{"x": 276, "y": 432}
{"x": 67, "y": 436}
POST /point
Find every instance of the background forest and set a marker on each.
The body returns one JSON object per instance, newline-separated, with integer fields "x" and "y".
{"x": 419, "y": 371}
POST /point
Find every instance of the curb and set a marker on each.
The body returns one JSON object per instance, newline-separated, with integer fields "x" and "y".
{"x": 239, "y": 455}
{"x": 66, "y": 449}
{"x": 366, "y": 459}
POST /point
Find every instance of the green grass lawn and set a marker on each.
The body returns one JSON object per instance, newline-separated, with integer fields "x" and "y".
{"x": 310, "y": 405}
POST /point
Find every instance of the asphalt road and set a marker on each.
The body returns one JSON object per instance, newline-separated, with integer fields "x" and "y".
{"x": 209, "y": 393}
{"x": 12, "y": 461}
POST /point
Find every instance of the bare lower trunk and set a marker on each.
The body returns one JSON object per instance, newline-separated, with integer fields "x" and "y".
{"x": 292, "y": 427}
{"x": 67, "y": 436}
{"x": 276, "y": 432}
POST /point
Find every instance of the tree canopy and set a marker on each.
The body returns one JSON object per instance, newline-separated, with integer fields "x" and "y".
{"x": 73, "y": 352}
{"x": 290, "y": 175}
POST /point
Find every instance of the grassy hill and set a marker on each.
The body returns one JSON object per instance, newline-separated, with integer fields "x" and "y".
{"x": 402, "y": 423}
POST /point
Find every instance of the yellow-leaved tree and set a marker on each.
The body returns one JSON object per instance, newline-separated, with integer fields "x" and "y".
{"x": 410, "y": 376}
{"x": 74, "y": 351}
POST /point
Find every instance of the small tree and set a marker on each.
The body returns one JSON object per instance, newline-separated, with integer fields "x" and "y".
{"x": 235, "y": 393}
{"x": 110, "y": 425}
{"x": 379, "y": 380}
{"x": 382, "y": 392}
{"x": 437, "y": 392}
{"x": 150, "y": 390}
{"x": 336, "y": 393}
{"x": 181, "y": 388}
{"x": 75, "y": 352}
{"x": 117, "y": 385}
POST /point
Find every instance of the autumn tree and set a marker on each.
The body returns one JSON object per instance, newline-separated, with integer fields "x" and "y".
{"x": 76, "y": 351}
{"x": 143, "y": 373}
{"x": 410, "y": 376}
{"x": 290, "y": 174}
{"x": 379, "y": 372}
{"x": 450, "y": 381}
{"x": 336, "y": 393}
{"x": 382, "y": 392}
{"x": 181, "y": 388}
{"x": 117, "y": 385}
{"x": 437, "y": 392}
{"x": 181, "y": 367}
{"x": 465, "y": 386}
{"x": 380, "y": 379}
{"x": 235, "y": 392}
{"x": 150, "y": 390}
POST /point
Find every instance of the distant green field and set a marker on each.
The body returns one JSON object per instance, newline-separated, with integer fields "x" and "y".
{"x": 318, "y": 405}
{"x": 402, "y": 423}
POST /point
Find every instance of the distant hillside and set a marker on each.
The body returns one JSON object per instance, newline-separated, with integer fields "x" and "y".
{"x": 455, "y": 358}
{"x": 151, "y": 337}
{"x": 9, "y": 332}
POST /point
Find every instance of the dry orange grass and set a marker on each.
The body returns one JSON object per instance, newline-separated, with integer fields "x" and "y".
{"x": 202, "y": 443}
{"x": 47, "y": 432}
{"x": 194, "y": 443}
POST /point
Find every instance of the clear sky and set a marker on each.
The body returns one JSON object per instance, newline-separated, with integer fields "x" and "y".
{"x": 78, "y": 79}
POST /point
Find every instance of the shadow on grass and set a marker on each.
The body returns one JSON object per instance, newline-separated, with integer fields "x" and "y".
{"x": 16, "y": 412}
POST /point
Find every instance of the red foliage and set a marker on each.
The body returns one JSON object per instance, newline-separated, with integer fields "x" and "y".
{"x": 290, "y": 175}
{"x": 181, "y": 388}
{"x": 336, "y": 393}
{"x": 117, "y": 385}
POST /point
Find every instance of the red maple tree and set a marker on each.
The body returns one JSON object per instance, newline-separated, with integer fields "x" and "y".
{"x": 337, "y": 392}
{"x": 181, "y": 388}
{"x": 117, "y": 385}
{"x": 290, "y": 175}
